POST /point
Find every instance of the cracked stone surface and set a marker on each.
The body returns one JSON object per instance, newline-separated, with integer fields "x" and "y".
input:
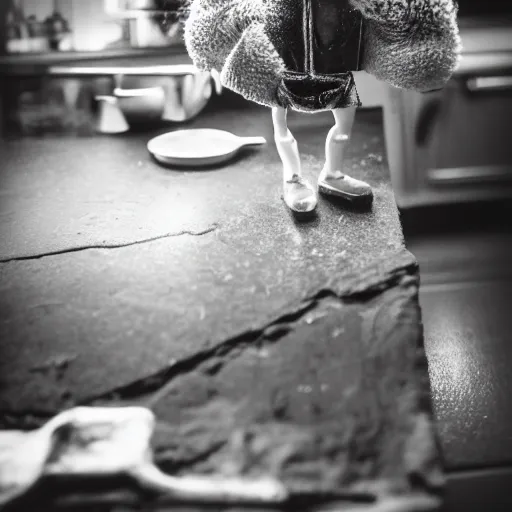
{"x": 337, "y": 399}
{"x": 218, "y": 237}
{"x": 262, "y": 343}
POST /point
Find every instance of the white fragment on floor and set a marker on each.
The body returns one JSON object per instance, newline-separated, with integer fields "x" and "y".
{"x": 88, "y": 442}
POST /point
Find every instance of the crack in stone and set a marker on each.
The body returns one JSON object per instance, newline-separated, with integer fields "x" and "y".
{"x": 150, "y": 389}
{"x": 174, "y": 467}
{"x": 301, "y": 500}
{"x": 83, "y": 248}
{"x": 134, "y": 498}
{"x": 155, "y": 386}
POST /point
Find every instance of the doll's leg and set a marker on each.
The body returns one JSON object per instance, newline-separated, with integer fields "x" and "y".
{"x": 298, "y": 194}
{"x": 332, "y": 180}
{"x": 338, "y": 138}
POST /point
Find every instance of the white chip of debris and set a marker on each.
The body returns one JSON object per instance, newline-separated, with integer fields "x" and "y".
{"x": 91, "y": 441}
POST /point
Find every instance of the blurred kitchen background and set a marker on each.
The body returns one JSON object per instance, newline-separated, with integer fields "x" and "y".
{"x": 38, "y": 37}
{"x": 41, "y": 26}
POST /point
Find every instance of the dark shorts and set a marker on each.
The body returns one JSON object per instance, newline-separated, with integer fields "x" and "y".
{"x": 314, "y": 93}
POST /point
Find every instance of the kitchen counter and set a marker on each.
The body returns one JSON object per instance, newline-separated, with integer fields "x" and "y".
{"x": 198, "y": 295}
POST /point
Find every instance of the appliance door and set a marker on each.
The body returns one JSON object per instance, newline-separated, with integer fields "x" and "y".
{"x": 455, "y": 145}
{"x": 473, "y": 142}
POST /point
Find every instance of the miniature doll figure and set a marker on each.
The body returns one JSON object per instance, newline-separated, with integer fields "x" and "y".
{"x": 296, "y": 54}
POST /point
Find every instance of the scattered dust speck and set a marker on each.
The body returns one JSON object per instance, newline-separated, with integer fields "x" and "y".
{"x": 264, "y": 353}
{"x": 313, "y": 317}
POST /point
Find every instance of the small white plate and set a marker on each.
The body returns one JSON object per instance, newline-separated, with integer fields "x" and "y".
{"x": 198, "y": 147}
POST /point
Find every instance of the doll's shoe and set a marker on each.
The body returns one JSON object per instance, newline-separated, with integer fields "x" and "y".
{"x": 340, "y": 185}
{"x": 299, "y": 195}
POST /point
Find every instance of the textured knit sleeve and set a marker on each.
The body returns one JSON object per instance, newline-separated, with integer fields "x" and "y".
{"x": 214, "y": 27}
{"x": 411, "y": 44}
{"x": 254, "y": 68}
{"x": 210, "y": 33}
{"x": 230, "y": 36}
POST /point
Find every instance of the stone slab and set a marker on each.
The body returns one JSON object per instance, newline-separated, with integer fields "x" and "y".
{"x": 118, "y": 314}
{"x": 336, "y": 400}
{"x": 263, "y": 344}
{"x": 66, "y": 193}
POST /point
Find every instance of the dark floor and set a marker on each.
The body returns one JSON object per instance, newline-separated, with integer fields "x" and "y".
{"x": 466, "y": 296}
{"x": 464, "y": 254}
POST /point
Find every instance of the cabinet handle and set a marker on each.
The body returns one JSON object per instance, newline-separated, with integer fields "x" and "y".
{"x": 489, "y": 83}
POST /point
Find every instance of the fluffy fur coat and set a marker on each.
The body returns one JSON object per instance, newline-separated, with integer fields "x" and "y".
{"x": 263, "y": 48}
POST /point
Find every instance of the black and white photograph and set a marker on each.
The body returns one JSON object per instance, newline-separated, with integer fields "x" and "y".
{"x": 255, "y": 255}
